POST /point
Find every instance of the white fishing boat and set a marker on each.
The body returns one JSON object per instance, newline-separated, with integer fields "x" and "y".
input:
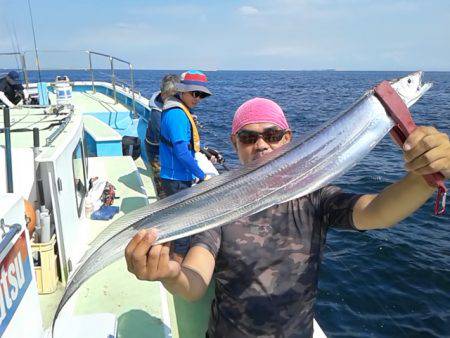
{"x": 49, "y": 150}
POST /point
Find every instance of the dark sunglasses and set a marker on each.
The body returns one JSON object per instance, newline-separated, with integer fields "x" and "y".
{"x": 268, "y": 135}
{"x": 198, "y": 94}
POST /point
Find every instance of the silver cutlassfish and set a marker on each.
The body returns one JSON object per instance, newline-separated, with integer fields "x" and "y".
{"x": 291, "y": 171}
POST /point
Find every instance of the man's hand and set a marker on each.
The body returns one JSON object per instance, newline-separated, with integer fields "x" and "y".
{"x": 427, "y": 151}
{"x": 197, "y": 180}
{"x": 26, "y": 94}
{"x": 150, "y": 262}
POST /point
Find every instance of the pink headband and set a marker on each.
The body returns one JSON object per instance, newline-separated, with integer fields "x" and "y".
{"x": 258, "y": 110}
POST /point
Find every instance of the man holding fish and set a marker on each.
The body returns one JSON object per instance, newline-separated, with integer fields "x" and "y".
{"x": 266, "y": 265}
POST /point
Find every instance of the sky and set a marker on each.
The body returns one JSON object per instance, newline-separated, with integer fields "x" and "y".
{"x": 237, "y": 35}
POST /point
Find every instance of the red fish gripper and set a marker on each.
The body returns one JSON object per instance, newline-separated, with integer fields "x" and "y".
{"x": 404, "y": 126}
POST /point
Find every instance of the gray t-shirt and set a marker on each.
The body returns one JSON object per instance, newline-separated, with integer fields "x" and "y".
{"x": 267, "y": 265}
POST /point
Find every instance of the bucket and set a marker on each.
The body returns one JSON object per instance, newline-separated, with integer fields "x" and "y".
{"x": 46, "y": 267}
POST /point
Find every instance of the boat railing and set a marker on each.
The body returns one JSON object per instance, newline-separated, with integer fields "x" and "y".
{"x": 113, "y": 75}
{"x": 112, "y": 62}
{"x": 23, "y": 64}
{"x": 48, "y": 141}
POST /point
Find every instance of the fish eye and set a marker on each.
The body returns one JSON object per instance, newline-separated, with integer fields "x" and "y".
{"x": 409, "y": 80}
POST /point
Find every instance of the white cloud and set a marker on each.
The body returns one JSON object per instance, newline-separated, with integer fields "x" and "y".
{"x": 248, "y": 10}
{"x": 303, "y": 34}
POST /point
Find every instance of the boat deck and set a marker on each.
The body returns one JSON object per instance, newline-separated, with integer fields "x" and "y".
{"x": 143, "y": 309}
{"x": 88, "y": 102}
{"x": 140, "y": 307}
{"x": 24, "y": 119}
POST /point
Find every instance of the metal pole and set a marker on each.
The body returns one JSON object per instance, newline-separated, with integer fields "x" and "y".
{"x": 132, "y": 91}
{"x": 36, "y": 143}
{"x": 113, "y": 79}
{"x": 9, "y": 175}
{"x": 92, "y": 71}
{"x": 37, "y": 172}
{"x": 24, "y": 70}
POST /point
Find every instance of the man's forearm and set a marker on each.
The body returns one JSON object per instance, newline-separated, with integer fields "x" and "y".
{"x": 183, "y": 154}
{"x": 188, "y": 284}
{"x": 393, "y": 204}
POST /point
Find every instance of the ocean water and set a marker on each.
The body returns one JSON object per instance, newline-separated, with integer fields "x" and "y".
{"x": 383, "y": 283}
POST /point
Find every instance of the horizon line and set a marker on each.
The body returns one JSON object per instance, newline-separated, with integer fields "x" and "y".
{"x": 245, "y": 70}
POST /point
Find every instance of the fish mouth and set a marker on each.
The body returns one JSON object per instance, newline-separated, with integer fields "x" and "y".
{"x": 411, "y": 88}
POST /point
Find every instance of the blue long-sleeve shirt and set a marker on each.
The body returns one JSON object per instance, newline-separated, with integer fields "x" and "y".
{"x": 177, "y": 161}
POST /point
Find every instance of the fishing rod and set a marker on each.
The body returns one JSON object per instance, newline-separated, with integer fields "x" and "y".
{"x": 14, "y": 47}
{"x": 34, "y": 39}
{"x": 16, "y": 39}
{"x": 23, "y": 130}
{"x": 22, "y": 66}
{"x": 209, "y": 152}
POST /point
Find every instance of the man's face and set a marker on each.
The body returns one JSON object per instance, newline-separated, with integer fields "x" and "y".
{"x": 249, "y": 152}
{"x": 190, "y": 100}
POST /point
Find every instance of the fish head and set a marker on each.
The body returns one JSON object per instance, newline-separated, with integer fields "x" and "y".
{"x": 410, "y": 88}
